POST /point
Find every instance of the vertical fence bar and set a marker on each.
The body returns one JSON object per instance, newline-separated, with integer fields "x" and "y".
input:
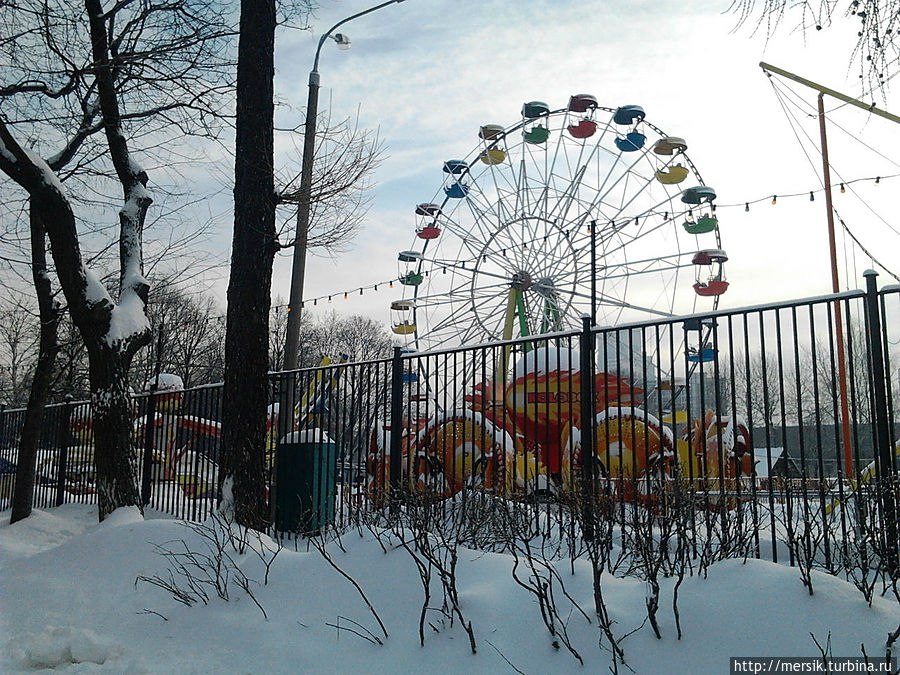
{"x": 884, "y": 462}
{"x": 62, "y": 464}
{"x": 149, "y": 427}
{"x": 150, "y": 422}
{"x": 396, "y": 427}
{"x": 588, "y": 424}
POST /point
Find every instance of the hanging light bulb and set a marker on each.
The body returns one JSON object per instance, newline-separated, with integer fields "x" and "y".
{"x": 345, "y": 295}
{"x": 666, "y": 215}
{"x": 376, "y": 288}
{"x": 843, "y": 190}
{"x": 712, "y": 208}
{"x": 360, "y": 291}
{"x": 812, "y": 197}
{"x": 315, "y": 301}
{"x": 391, "y": 284}
{"x": 877, "y": 180}
{"x": 746, "y": 206}
{"x": 774, "y": 199}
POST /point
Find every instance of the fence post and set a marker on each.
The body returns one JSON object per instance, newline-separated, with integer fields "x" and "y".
{"x": 62, "y": 465}
{"x": 396, "y": 427}
{"x": 150, "y": 423}
{"x": 588, "y": 424}
{"x": 884, "y": 462}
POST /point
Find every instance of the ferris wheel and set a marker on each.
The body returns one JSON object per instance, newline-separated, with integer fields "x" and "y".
{"x": 505, "y": 248}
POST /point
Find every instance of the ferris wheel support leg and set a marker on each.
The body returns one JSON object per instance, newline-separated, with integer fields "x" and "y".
{"x": 523, "y": 317}
{"x": 503, "y": 364}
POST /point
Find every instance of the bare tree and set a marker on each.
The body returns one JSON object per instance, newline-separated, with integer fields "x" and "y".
{"x": 877, "y": 49}
{"x": 82, "y": 81}
{"x": 345, "y": 159}
{"x": 190, "y": 328}
{"x": 17, "y": 346}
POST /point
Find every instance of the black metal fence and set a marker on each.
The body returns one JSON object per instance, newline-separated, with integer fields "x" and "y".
{"x": 780, "y": 418}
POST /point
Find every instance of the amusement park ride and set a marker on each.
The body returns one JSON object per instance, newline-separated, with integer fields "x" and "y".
{"x": 566, "y": 212}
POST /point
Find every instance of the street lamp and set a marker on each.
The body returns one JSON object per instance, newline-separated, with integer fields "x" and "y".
{"x": 298, "y": 269}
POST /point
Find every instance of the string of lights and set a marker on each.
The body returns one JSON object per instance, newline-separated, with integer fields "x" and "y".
{"x": 786, "y": 97}
{"x": 808, "y": 194}
{"x": 443, "y": 266}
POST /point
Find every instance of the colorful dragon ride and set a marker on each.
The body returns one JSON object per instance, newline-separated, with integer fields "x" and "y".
{"x": 525, "y": 438}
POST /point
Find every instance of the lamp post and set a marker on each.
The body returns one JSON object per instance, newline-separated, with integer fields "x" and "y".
{"x": 298, "y": 269}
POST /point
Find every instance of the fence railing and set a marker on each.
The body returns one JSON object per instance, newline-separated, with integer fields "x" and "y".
{"x": 778, "y": 417}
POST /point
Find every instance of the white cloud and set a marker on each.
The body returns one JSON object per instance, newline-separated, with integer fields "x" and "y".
{"x": 428, "y": 73}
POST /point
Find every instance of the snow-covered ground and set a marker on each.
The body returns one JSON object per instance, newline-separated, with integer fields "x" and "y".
{"x": 69, "y": 603}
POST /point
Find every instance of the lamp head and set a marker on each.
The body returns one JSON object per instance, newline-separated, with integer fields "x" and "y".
{"x": 342, "y": 40}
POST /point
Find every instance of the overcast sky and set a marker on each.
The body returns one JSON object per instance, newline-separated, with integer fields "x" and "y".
{"x": 428, "y": 73}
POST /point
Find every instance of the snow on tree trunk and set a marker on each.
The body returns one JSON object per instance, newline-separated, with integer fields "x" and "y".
{"x": 115, "y": 456}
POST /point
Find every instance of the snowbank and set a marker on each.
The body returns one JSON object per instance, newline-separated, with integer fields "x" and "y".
{"x": 69, "y": 603}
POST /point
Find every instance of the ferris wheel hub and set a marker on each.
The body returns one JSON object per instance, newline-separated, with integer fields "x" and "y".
{"x": 521, "y": 281}
{"x": 545, "y": 287}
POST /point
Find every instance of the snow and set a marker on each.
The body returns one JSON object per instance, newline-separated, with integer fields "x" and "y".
{"x": 6, "y": 153}
{"x": 128, "y": 317}
{"x": 165, "y": 382}
{"x": 95, "y": 292}
{"x": 47, "y": 175}
{"x": 306, "y": 436}
{"x": 761, "y": 458}
{"x": 500, "y": 438}
{"x": 638, "y": 413}
{"x": 541, "y": 361}
{"x": 69, "y": 602}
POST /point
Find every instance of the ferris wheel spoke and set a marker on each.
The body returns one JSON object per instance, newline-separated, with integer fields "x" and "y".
{"x": 615, "y": 302}
{"x": 550, "y": 160}
{"x": 578, "y": 177}
{"x": 647, "y": 270}
{"x": 635, "y": 238}
{"x": 463, "y": 233}
{"x": 505, "y": 211}
{"x": 485, "y": 216}
{"x": 451, "y": 319}
{"x": 601, "y": 195}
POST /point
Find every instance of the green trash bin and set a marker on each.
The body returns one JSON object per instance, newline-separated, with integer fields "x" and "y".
{"x": 305, "y": 482}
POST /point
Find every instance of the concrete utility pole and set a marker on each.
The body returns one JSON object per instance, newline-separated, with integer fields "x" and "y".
{"x": 298, "y": 269}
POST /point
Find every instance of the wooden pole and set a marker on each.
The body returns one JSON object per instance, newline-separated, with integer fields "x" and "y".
{"x": 835, "y": 287}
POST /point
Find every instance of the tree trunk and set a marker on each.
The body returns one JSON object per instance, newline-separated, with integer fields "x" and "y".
{"x": 115, "y": 458}
{"x": 23, "y": 496}
{"x": 253, "y": 251}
